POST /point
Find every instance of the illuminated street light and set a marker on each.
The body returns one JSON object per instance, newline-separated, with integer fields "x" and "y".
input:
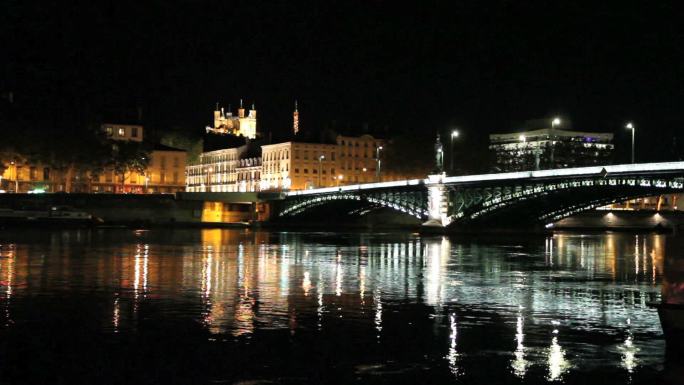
{"x": 523, "y": 145}
{"x": 630, "y": 126}
{"x": 454, "y": 134}
{"x": 377, "y": 158}
{"x": 555, "y": 122}
{"x": 320, "y": 162}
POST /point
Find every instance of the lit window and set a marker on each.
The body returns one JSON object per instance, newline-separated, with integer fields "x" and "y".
{"x": 122, "y": 132}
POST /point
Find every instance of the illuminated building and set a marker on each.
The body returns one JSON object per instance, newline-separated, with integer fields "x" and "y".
{"x": 357, "y": 158}
{"x": 165, "y": 172}
{"x": 225, "y": 123}
{"x": 228, "y": 170}
{"x": 292, "y": 165}
{"x": 298, "y": 165}
{"x": 549, "y": 148}
{"x": 132, "y": 132}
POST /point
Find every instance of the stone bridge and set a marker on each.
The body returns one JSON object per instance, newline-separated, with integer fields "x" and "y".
{"x": 543, "y": 196}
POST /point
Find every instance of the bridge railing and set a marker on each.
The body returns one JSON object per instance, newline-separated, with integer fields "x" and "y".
{"x": 560, "y": 172}
{"x": 575, "y": 171}
{"x": 357, "y": 187}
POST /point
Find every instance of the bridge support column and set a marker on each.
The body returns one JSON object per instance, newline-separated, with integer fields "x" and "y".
{"x": 438, "y": 202}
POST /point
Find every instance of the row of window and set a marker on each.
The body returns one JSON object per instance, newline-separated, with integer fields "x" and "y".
{"x": 121, "y": 132}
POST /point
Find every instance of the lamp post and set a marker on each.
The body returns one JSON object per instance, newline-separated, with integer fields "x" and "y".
{"x": 523, "y": 140}
{"x": 377, "y": 159}
{"x": 16, "y": 177}
{"x": 320, "y": 164}
{"x": 339, "y": 179}
{"x": 454, "y": 134}
{"x": 555, "y": 122}
{"x": 630, "y": 126}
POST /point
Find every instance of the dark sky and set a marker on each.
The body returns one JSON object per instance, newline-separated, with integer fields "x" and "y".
{"x": 482, "y": 66}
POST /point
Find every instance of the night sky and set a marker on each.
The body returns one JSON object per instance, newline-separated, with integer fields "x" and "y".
{"x": 480, "y": 66}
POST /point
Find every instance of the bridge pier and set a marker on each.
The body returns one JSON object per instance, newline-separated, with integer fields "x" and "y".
{"x": 438, "y": 201}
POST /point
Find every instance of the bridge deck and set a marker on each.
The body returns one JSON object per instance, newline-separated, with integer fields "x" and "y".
{"x": 619, "y": 169}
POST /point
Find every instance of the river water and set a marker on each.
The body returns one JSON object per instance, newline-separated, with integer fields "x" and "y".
{"x": 238, "y": 306}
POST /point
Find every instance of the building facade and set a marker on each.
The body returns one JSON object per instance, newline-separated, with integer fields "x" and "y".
{"x": 215, "y": 171}
{"x": 358, "y": 159}
{"x": 292, "y": 165}
{"x": 298, "y": 166}
{"x": 165, "y": 172}
{"x": 132, "y": 132}
{"x": 550, "y": 148}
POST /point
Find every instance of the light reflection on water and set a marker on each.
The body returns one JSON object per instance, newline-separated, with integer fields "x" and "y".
{"x": 540, "y": 302}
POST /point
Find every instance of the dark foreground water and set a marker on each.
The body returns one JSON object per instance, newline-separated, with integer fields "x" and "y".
{"x": 235, "y": 306}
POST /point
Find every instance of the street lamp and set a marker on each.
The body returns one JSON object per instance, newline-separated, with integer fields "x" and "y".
{"x": 555, "y": 122}
{"x": 377, "y": 159}
{"x": 454, "y": 134}
{"x": 339, "y": 179}
{"x": 320, "y": 163}
{"x": 16, "y": 177}
{"x": 523, "y": 140}
{"x": 630, "y": 126}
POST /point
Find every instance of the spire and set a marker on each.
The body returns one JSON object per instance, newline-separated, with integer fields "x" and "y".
{"x": 295, "y": 119}
{"x": 241, "y": 110}
{"x": 217, "y": 106}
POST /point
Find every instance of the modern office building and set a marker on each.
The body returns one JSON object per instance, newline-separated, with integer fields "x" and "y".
{"x": 548, "y": 148}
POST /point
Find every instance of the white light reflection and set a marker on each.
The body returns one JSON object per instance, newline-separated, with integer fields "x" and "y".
{"x": 519, "y": 363}
{"x": 362, "y": 284}
{"x": 557, "y": 362}
{"x": 338, "y": 275}
{"x": 629, "y": 351}
{"x": 206, "y": 273}
{"x": 136, "y": 272}
{"x": 378, "y": 314}
{"x": 306, "y": 283}
{"x": 438, "y": 257}
{"x": 452, "y": 356}
{"x": 319, "y": 310}
{"x": 145, "y": 265}
{"x": 116, "y": 316}
{"x": 636, "y": 255}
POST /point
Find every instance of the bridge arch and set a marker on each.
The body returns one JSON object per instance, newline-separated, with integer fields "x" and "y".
{"x": 553, "y": 200}
{"x": 411, "y": 203}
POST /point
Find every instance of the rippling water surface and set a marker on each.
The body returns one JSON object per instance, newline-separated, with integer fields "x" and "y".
{"x": 237, "y": 306}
